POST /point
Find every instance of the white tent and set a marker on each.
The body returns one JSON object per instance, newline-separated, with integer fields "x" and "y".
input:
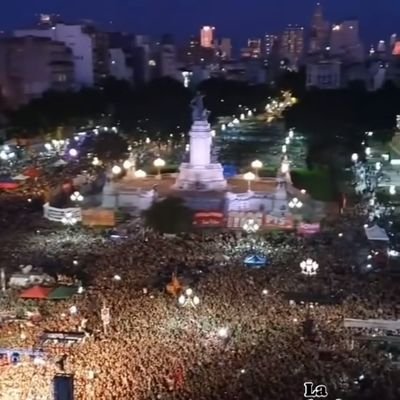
{"x": 376, "y": 233}
{"x": 59, "y": 163}
{"x": 20, "y": 177}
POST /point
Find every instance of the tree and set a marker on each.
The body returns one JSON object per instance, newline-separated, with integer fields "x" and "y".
{"x": 169, "y": 216}
{"x": 110, "y": 146}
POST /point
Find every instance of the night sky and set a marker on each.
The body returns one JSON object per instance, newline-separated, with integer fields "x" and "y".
{"x": 237, "y": 19}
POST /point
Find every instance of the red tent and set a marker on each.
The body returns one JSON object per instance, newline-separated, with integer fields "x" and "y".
{"x": 36, "y": 292}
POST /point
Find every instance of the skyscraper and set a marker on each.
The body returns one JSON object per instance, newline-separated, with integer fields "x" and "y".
{"x": 345, "y": 41}
{"x": 319, "y": 34}
{"x": 207, "y": 36}
{"x": 292, "y": 44}
{"x": 269, "y": 43}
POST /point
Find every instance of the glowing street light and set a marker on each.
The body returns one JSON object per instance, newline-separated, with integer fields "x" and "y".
{"x": 368, "y": 151}
{"x": 127, "y": 164}
{"x": 96, "y": 162}
{"x": 159, "y": 163}
{"x": 69, "y": 219}
{"x": 76, "y": 196}
{"x": 291, "y": 133}
{"x": 140, "y": 174}
{"x": 256, "y": 165}
{"x": 295, "y": 203}
{"x": 309, "y": 267}
{"x": 378, "y": 166}
{"x": 250, "y": 226}
{"x": 392, "y": 190}
{"x": 242, "y": 117}
{"x": 223, "y": 127}
{"x": 188, "y": 299}
{"x": 249, "y": 113}
{"x": 284, "y": 149}
{"x": 354, "y": 157}
{"x": 116, "y": 169}
{"x": 236, "y": 121}
{"x": 223, "y": 333}
{"x": 249, "y": 177}
{"x": 73, "y": 152}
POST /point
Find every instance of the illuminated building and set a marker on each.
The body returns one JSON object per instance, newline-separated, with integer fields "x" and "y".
{"x": 345, "y": 41}
{"x": 269, "y": 43}
{"x": 292, "y": 44}
{"x": 207, "y": 36}
{"x": 319, "y": 32}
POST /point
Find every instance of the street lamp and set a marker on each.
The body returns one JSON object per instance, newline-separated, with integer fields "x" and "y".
{"x": 250, "y": 226}
{"x": 73, "y": 152}
{"x": 242, "y": 117}
{"x": 309, "y": 267}
{"x": 249, "y": 113}
{"x": 116, "y": 170}
{"x": 295, "y": 203}
{"x": 159, "y": 163}
{"x": 284, "y": 149}
{"x": 76, "y": 196}
{"x": 378, "y": 166}
{"x": 256, "y": 165}
{"x": 140, "y": 174}
{"x": 287, "y": 141}
{"x": 354, "y": 157}
{"x": 249, "y": 177}
{"x": 392, "y": 190}
{"x": 127, "y": 164}
{"x": 188, "y": 299}
{"x": 69, "y": 219}
{"x": 291, "y": 133}
{"x": 368, "y": 151}
{"x": 96, "y": 161}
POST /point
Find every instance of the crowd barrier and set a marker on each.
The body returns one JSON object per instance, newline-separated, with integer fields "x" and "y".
{"x": 58, "y": 214}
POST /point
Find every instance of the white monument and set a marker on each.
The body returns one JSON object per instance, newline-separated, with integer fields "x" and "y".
{"x": 200, "y": 173}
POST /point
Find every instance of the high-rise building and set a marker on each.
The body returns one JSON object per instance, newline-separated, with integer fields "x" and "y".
{"x": 345, "y": 41}
{"x": 319, "y": 35}
{"x": 29, "y": 66}
{"x": 167, "y": 58}
{"x": 223, "y": 48}
{"x": 269, "y": 43}
{"x": 80, "y": 43}
{"x": 207, "y": 36}
{"x": 292, "y": 45}
{"x": 254, "y": 45}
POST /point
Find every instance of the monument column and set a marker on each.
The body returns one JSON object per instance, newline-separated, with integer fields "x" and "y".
{"x": 200, "y": 149}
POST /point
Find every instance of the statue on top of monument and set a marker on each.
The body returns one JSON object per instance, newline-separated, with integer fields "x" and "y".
{"x": 199, "y": 112}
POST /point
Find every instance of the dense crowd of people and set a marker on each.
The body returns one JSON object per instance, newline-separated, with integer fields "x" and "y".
{"x": 250, "y": 337}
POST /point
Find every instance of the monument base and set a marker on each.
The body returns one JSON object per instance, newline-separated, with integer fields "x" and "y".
{"x": 201, "y": 178}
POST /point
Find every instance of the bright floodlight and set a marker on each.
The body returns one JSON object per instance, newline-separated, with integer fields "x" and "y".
{"x": 223, "y": 333}
{"x": 354, "y": 157}
{"x": 116, "y": 170}
{"x": 127, "y": 164}
{"x": 140, "y": 174}
{"x": 309, "y": 267}
{"x": 73, "y": 152}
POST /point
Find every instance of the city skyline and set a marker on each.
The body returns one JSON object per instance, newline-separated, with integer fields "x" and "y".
{"x": 184, "y": 18}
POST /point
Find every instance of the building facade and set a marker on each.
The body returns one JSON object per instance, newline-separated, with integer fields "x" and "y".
{"x": 292, "y": 45}
{"x": 80, "y": 43}
{"x": 324, "y": 75}
{"x": 30, "y": 66}
{"x": 345, "y": 41}
{"x": 207, "y": 38}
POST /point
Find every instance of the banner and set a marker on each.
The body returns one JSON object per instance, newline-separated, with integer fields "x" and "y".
{"x": 93, "y": 217}
{"x": 308, "y": 229}
{"x": 208, "y": 219}
{"x": 273, "y": 222}
{"x": 388, "y": 325}
{"x": 62, "y": 337}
